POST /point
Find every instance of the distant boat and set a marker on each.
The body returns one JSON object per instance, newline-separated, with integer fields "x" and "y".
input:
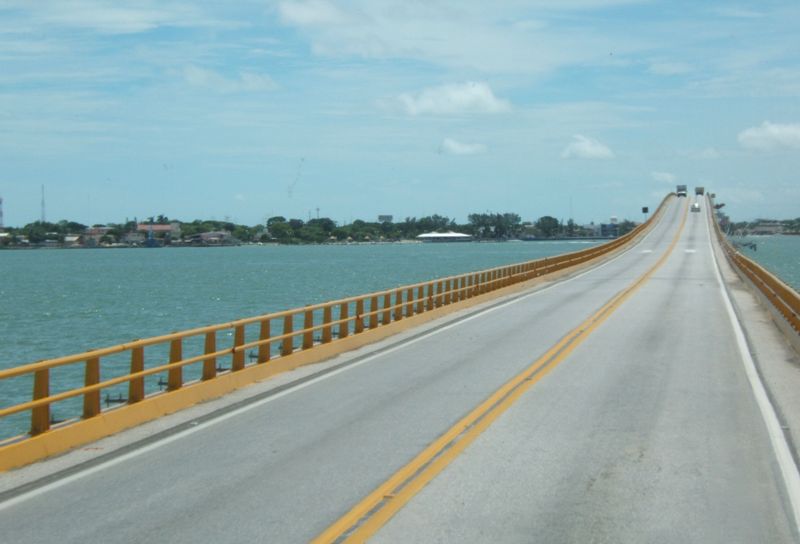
{"x": 448, "y": 236}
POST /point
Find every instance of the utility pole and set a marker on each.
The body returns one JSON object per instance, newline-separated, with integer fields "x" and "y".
{"x": 1, "y": 214}
{"x": 43, "y": 215}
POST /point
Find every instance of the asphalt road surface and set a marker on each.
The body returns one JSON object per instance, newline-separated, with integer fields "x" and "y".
{"x": 648, "y": 431}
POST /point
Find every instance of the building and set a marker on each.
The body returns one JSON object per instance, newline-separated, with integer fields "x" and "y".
{"x": 449, "y": 236}
{"x": 767, "y": 227}
{"x": 173, "y": 230}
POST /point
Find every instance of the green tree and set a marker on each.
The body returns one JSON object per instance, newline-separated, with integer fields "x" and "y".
{"x": 547, "y": 226}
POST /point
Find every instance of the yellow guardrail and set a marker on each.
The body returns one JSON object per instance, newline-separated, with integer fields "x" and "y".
{"x": 268, "y": 337}
{"x": 785, "y": 299}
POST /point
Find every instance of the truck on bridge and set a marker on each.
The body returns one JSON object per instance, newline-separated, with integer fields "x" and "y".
{"x": 699, "y": 191}
{"x": 680, "y": 190}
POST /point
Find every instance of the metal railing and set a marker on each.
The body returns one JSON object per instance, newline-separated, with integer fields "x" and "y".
{"x": 785, "y": 299}
{"x": 266, "y": 337}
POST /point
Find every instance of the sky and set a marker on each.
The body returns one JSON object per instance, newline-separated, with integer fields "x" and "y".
{"x": 244, "y": 110}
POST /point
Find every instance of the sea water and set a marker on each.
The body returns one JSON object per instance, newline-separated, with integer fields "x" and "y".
{"x": 780, "y": 254}
{"x": 60, "y": 302}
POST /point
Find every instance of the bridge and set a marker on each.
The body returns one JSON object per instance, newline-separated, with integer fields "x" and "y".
{"x": 638, "y": 392}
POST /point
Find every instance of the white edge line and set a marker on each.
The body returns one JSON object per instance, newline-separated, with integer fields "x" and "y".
{"x": 228, "y": 415}
{"x": 783, "y": 454}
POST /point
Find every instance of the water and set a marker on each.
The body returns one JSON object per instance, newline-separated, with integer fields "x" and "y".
{"x": 60, "y": 302}
{"x": 778, "y": 254}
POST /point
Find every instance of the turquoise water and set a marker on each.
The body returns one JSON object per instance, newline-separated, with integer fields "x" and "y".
{"x": 778, "y": 254}
{"x": 60, "y": 302}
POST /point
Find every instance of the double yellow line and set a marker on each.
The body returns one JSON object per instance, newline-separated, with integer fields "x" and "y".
{"x": 369, "y": 515}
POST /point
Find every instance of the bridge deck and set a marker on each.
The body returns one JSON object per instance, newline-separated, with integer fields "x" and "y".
{"x": 648, "y": 431}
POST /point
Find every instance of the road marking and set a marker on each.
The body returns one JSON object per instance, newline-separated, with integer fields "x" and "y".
{"x": 777, "y": 438}
{"x": 690, "y": 251}
{"x": 51, "y": 486}
{"x": 377, "y": 508}
{"x": 647, "y": 251}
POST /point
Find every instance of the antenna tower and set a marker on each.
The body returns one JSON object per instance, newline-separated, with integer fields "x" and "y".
{"x": 43, "y": 216}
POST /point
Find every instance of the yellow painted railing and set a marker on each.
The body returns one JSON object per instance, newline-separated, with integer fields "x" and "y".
{"x": 261, "y": 339}
{"x": 785, "y": 299}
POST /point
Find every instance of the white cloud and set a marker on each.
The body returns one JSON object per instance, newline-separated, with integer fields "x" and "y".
{"x": 738, "y": 13}
{"x": 663, "y": 177}
{"x": 246, "y": 82}
{"x": 707, "y": 153}
{"x": 111, "y": 17}
{"x": 669, "y": 68}
{"x": 311, "y": 13}
{"x": 771, "y": 136}
{"x": 583, "y": 147}
{"x": 470, "y": 97}
{"x": 454, "y": 147}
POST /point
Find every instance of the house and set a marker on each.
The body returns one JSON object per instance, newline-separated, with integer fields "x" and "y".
{"x": 173, "y": 230}
{"x": 767, "y": 227}
{"x": 449, "y": 236}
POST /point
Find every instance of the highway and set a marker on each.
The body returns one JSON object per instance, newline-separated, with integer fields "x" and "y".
{"x": 640, "y": 426}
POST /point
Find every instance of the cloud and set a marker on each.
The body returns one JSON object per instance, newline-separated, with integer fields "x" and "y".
{"x": 664, "y": 177}
{"x": 707, "y": 153}
{"x": 770, "y": 136}
{"x": 583, "y": 147}
{"x": 454, "y": 147}
{"x": 470, "y": 97}
{"x": 111, "y": 17}
{"x": 311, "y": 13}
{"x": 246, "y": 82}
{"x": 669, "y": 68}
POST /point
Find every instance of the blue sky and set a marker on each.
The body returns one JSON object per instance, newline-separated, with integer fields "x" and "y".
{"x": 248, "y": 109}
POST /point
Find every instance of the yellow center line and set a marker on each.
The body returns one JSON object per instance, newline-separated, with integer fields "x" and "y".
{"x": 372, "y": 512}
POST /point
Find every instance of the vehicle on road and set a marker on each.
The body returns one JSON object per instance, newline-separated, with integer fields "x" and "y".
{"x": 699, "y": 191}
{"x": 695, "y": 207}
{"x": 680, "y": 190}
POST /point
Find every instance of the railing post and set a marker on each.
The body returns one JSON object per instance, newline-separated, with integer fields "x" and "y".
{"x": 327, "y": 317}
{"x": 210, "y": 363}
{"x": 373, "y": 312}
{"x": 91, "y": 400}
{"x": 136, "y": 385}
{"x": 308, "y": 323}
{"x": 409, "y": 302}
{"x": 430, "y": 288}
{"x": 237, "y": 361}
{"x": 398, "y": 305}
{"x": 264, "y": 349}
{"x": 40, "y": 416}
{"x": 175, "y": 375}
{"x": 359, "y": 314}
{"x": 287, "y": 345}
{"x": 439, "y": 289}
{"x": 462, "y": 292}
{"x": 448, "y": 292}
{"x": 344, "y": 326}
{"x": 387, "y": 304}
{"x": 420, "y": 299}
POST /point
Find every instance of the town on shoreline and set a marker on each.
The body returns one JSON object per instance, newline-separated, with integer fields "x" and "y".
{"x": 162, "y": 231}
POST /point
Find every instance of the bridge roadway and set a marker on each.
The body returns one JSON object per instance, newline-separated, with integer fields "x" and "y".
{"x": 648, "y": 431}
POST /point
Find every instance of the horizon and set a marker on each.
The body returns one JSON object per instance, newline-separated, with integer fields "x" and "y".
{"x": 582, "y": 109}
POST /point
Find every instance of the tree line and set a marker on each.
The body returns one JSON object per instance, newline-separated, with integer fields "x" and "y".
{"x": 481, "y": 226}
